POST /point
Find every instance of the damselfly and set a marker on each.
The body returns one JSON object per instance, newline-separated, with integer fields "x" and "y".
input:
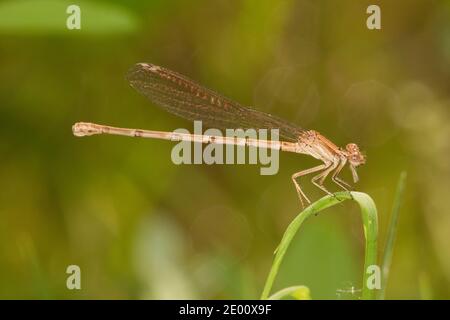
{"x": 188, "y": 99}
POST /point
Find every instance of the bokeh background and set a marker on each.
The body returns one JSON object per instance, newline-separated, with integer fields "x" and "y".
{"x": 141, "y": 227}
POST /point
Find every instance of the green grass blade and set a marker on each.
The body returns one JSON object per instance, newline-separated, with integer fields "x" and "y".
{"x": 392, "y": 232}
{"x": 370, "y": 225}
{"x": 370, "y": 222}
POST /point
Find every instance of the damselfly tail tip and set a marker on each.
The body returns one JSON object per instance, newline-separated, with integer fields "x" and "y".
{"x": 81, "y": 129}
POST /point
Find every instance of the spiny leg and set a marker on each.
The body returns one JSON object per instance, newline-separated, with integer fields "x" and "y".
{"x": 300, "y": 192}
{"x": 341, "y": 183}
{"x": 344, "y": 185}
{"x": 322, "y": 176}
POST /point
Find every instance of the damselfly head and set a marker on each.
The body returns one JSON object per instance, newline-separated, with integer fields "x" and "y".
{"x": 354, "y": 156}
{"x": 355, "y": 159}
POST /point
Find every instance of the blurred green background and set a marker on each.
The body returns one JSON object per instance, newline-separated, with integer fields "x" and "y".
{"x": 141, "y": 227}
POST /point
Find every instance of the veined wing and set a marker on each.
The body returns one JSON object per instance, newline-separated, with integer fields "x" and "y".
{"x": 190, "y": 100}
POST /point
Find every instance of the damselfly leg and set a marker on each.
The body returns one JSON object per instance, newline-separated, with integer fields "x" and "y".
{"x": 341, "y": 183}
{"x": 300, "y": 192}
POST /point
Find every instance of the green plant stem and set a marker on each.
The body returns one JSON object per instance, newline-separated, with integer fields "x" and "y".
{"x": 392, "y": 232}
{"x": 370, "y": 222}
